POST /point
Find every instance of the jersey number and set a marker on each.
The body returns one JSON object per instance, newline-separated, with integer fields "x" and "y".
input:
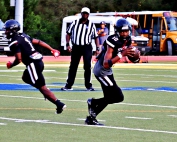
{"x": 32, "y": 48}
{"x": 115, "y": 38}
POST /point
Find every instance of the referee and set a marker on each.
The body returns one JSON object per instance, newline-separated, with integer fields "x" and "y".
{"x": 81, "y": 32}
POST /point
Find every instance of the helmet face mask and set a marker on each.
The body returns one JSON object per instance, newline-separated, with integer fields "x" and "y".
{"x": 11, "y": 27}
{"x": 8, "y": 33}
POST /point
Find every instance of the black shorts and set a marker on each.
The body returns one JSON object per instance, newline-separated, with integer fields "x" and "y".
{"x": 33, "y": 74}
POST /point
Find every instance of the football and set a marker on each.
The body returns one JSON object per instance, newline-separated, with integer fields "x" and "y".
{"x": 136, "y": 57}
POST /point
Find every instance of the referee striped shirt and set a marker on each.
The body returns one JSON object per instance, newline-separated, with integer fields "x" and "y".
{"x": 82, "y": 33}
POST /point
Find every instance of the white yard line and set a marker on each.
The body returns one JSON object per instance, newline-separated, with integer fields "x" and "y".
{"x": 141, "y": 118}
{"x": 143, "y": 81}
{"x": 3, "y": 124}
{"x": 84, "y": 101}
{"x": 148, "y": 75}
{"x": 120, "y": 80}
{"x": 149, "y": 105}
{"x": 83, "y": 119}
{"x": 173, "y": 115}
{"x": 82, "y": 125}
{"x": 38, "y": 98}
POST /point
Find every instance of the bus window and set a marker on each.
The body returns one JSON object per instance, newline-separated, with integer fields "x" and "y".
{"x": 148, "y": 21}
{"x": 156, "y": 32}
{"x": 156, "y": 28}
{"x": 135, "y": 31}
{"x": 141, "y": 20}
{"x": 172, "y": 24}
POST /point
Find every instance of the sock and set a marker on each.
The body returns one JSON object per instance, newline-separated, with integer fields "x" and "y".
{"x": 59, "y": 104}
{"x": 99, "y": 104}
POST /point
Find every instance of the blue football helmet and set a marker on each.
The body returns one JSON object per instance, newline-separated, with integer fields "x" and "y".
{"x": 11, "y": 27}
{"x": 123, "y": 25}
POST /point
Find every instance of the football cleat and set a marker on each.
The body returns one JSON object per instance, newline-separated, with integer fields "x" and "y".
{"x": 92, "y": 121}
{"x": 60, "y": 108}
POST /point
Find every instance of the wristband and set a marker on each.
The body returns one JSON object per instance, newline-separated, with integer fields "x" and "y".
{"x": 67, "y": 44}
{"x": 97, "y": 49}
{"x": 110, "y": 63}
{"x": 119, "y": 55}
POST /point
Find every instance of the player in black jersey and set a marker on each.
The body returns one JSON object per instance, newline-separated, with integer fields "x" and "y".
{"x": 115, "y": 47}
{"x": 21, "y": 45}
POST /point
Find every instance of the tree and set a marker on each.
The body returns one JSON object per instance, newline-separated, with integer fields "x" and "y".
{"x": 4, "y": 10}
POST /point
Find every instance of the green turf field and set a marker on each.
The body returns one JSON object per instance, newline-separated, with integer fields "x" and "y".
{"x": 148, "y": 113}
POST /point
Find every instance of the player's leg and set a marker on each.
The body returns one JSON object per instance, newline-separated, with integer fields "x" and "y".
{"x": 108, "y": 84}
{"x": 52, "y": 98}
{"x": 117, "y": 95}
{"x": 26, "y": 78}
{"x": 33, "y": 76}
{"x": 95, "y": 106}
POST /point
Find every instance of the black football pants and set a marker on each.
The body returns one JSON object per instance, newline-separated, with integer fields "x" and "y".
{"x": 112, "y": 93}
{"x": 77, "y": 52}
{"x": 33, "y": 74}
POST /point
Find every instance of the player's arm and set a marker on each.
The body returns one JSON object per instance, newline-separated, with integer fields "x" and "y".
{"x": 41, "y": 43}
{"x": 55, "y": 52}
{"x": 109, "y": 61}
{"x": 18, "y": 59}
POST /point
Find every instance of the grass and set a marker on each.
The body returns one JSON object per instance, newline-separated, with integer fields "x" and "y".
{"x": 146, "y": 115}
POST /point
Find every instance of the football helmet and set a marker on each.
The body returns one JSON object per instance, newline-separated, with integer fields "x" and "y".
{"x": 123, "y": 25}
{"x": 11, "y": 27}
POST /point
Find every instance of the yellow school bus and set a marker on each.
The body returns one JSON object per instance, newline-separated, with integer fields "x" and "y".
{"x": 159, "y": 26}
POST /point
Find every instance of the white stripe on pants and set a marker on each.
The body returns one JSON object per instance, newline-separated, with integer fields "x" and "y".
{"x": 32, "y": 71}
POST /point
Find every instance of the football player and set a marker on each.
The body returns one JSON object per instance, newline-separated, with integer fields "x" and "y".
{"x": 114, "y": 48}
{"x": 21, "y": 45}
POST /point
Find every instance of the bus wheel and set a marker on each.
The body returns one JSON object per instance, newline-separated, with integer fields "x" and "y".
{"x": 170, "y": 47}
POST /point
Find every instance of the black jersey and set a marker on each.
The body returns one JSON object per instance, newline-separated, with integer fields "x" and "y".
{"x": 23, "y": 43}
{"x": 117, "y": 44}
